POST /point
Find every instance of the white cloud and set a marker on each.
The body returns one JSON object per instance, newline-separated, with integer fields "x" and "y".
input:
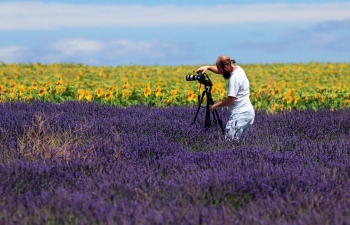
{"x": 329, "y": 36}
{"x": 77, "y": 45}
{"x": 150, "y": 49}
{"x": 119, "y": 47}
{"x": 79, "y": 50}
{"x": 36, "y": 15}
{"x": 12, "y": 54}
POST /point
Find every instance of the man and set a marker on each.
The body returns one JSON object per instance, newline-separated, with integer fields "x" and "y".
{"x": 241, "y": 110}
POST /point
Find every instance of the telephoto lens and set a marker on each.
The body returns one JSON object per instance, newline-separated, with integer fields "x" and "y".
{"x": 190, "y": 77}
{"x": 194, "y": 77}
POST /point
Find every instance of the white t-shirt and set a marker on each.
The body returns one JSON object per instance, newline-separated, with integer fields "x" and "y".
{"x": 238, "y": 87}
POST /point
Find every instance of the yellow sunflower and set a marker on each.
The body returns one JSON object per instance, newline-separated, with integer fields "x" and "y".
{"x": 108, "y": 95}
{"x": 42, "y": 91}
{"x": 158, "y": 91}
{"x": 147, "y": 91}
{"x": 35, "y": 85}
{"x": 21, "y": 90}
{"x": 13, "y": 85}
{"x": 81, "y": 94}
{"x": 99, "y": 92}
{"x": 88, "y": 95}
{"x": 191, "y": 96}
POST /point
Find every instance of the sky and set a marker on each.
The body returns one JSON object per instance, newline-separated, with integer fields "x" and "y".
{"x": 181, "y": 32}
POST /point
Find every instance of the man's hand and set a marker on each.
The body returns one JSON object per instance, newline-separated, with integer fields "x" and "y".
{"x": 202, "y": 69}
{"x": 212, "y": 108}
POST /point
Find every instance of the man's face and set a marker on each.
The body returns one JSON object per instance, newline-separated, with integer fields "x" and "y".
{"x": 226, "y": 73}
{"x": 225, "y": 70}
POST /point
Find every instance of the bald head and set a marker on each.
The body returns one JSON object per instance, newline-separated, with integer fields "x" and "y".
{"x": 224, "y": 60}
{"x": 224, "y": 65}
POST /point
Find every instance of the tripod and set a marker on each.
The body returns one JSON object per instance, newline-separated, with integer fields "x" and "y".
{"x": 207, "y": 123}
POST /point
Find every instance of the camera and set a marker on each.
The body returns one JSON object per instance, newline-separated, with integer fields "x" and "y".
{"x": 197, "y": 76}
{"x": 200, "y": 77}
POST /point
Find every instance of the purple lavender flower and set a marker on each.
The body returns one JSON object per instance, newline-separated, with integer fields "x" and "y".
{"x": 89, "y": 163}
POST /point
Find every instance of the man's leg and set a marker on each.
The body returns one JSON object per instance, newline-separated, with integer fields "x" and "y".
{"x": 238, "y": 124}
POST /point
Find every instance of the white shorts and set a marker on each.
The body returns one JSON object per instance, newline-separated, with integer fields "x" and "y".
{"x": 238, "y": 124}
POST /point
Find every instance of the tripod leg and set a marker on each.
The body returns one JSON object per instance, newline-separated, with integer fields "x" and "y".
{"x": 199, "y": 106}
{"x": 219, "y": 120}
{"x": 215, "y": 113}
{"x": 207, "y": 122}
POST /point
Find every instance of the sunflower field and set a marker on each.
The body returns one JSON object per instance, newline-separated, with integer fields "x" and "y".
{"x": 274, "y": 87}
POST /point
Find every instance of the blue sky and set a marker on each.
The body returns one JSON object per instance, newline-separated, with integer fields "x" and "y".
{"x": 174, "y": 32}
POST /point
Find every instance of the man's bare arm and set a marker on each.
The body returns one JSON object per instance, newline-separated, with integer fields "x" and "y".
{"x": 213, "y": 69}
{"x": 229, "y": 100}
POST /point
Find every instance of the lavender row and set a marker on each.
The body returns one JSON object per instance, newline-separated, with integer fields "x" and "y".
{"x": 88, "y": 163}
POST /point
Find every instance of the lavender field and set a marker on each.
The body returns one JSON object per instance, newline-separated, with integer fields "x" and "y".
{"x": 89, "y": 163}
